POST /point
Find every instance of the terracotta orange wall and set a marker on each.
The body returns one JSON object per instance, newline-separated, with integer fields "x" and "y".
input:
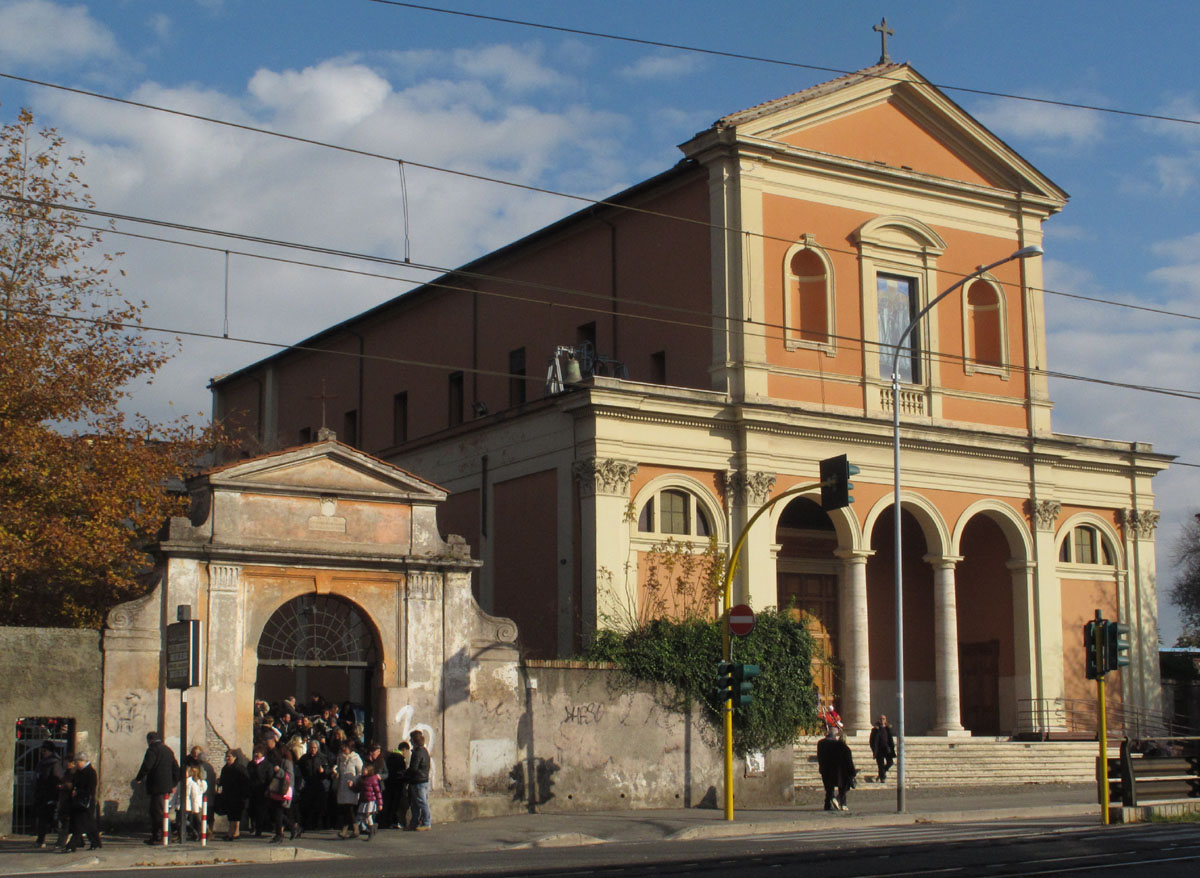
{"x": 787, "y": 219}
{"x": 241, "y": 413}
{"x": 525, "y": 570}
{"x": 463, "y": 330}
{"x": 674, "y": 595}
{"x": 885, "y": 133}
{"x": 1080, "y": 600}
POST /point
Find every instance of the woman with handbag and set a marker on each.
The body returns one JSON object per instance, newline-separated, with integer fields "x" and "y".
{"x": 349, "y": 767}
{"x": 279, "y": 797}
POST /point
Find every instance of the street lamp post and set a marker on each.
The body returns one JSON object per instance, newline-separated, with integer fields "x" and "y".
{"x": 1023, "y": 253}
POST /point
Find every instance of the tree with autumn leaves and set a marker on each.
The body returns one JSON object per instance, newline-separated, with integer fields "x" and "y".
{"x": 83, "y": 484}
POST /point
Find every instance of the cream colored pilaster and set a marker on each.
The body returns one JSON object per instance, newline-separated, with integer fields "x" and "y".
{"x": 604, "y": 502}
{"x": 1035, "y": 327}
{"x": 1046, "y": 620}
{"x": 1024, "y": 657}
{"x": 948, "y": 719}
{"x": 1144, "y": 687}
{"x": 855, "y": 640}
{"x": 224, "y": 665}
{"x": 755, "y": 581}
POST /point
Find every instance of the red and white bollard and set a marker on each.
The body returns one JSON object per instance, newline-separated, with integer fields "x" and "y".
{"x": 204, "y": 820}
{"x": 166, "y": 824}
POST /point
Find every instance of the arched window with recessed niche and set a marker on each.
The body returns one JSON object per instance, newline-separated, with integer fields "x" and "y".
{"x": 984, "y": 334}
{"x": 1086, "y": 545}
{"x": 674, "y": 512}
{"x": 808, "y": 302}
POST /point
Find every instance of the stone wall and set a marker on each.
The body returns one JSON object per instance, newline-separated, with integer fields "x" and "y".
{"x": 54, "y": 672}
{"x": 582, "y": 736}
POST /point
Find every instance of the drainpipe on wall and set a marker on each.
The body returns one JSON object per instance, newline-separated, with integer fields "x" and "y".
{"x": 362, "y": 365}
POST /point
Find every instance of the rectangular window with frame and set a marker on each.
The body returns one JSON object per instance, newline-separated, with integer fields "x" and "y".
{"x": 898, "y": 305}
{"x": 400, "y": 418}
{"x": 516, "y": 376}
{"x": 455, "y": 399}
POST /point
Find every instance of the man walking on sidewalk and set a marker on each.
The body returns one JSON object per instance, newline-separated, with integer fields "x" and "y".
{"x": 160, "y": 773}
{"x": 883, "y": 746}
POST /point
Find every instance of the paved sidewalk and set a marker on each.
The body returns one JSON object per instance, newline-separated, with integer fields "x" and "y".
{"x": 870, "y": 806}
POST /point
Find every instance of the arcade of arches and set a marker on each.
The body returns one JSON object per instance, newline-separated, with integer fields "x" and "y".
{"x": 964, "y": 618}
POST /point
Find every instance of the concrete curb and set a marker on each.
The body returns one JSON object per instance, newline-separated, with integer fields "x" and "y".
{"x": 773, "y": 827}
{"x": 560, "y": 840}
{"x": 118, "y": 858}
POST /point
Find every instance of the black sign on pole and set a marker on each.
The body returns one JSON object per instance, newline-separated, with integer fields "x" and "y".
{"x": 183, "y": 654}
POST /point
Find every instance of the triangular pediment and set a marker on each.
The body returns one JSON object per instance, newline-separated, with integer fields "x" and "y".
{"x": 328, "y": 467}
{"x": 889, "y": 115}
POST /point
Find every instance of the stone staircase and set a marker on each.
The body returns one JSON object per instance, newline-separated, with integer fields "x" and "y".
{"x": 964, "y": 761}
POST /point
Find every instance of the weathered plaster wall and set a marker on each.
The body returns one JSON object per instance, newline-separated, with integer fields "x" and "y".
{"x": 47, "y": 672}
{"x": 580, "y": 736}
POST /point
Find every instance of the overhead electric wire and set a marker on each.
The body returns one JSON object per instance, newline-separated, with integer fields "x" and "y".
{"x": 444, "y": 270}
{"x": 499, "y": 181}
{"x": 777, "y": 61}
{"x": 839, "y": 342}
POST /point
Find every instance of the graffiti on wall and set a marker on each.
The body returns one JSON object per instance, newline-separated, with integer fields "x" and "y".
{"x": 405, "y": 719}
{"x": 126, "y": 715}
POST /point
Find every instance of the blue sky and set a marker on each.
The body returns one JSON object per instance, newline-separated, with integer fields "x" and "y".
{"x": 590, "y": 116}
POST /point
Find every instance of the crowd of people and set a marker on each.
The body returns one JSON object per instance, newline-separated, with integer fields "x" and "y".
{"x": 309, "y": 769}
{"x": 64, "y": 793}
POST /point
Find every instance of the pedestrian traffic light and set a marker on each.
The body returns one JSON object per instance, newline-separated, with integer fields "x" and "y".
{"x": 726, "y": 684}
{"x": 1091, "y": 645}
{"x": 835, "y": 482}
{"x": 744, "y": 676}
{"x": 1116, "y": 647}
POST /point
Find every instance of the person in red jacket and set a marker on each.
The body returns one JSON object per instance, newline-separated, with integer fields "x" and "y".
{"x": 370, "y": 798}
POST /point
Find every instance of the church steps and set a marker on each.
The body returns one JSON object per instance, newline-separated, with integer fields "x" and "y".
{"x": 965, "y": 761}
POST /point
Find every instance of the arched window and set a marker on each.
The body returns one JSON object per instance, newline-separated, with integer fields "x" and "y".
{"x": 983, "y": 330}
{"x": 317, "y": 630}
{"x": 674, "y": 512}
{"x": 1086, "y": 545}
{"x": 808, "y": 297}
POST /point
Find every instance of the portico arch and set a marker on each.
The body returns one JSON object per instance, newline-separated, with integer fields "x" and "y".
{"x": 994, "y": 618}
{"x": 319, "y": 644}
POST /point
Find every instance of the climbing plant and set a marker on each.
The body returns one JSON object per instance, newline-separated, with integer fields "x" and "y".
{"x": 685, "y": 653}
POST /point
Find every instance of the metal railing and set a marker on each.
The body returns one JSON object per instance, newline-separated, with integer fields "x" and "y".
{"x": 1046, "y": 719}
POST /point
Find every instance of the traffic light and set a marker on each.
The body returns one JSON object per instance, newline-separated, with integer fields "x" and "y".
{"x": 835, "y": 482}
{"x": 726, "y": 688}
{"x": 744, "y": 676}
{"x": 1091, "y": 644}
{"x": 1116, "y": 647}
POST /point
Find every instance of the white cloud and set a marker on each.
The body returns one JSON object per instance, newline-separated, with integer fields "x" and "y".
{"x": 52, "y": 35}
{"x": 515, "y": 68}
{"x": 1047, "y": 124}
{"x": 160, "y": 26}
{"x": 670, "y": 66}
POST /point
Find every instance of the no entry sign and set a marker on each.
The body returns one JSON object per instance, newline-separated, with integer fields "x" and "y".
{"x": 741, "y": 620}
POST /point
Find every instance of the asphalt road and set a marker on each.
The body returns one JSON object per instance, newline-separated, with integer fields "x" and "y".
{"x": 1027, "y": 847}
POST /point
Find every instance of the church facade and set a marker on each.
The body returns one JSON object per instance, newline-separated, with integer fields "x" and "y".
{"x": 735, "y": 320}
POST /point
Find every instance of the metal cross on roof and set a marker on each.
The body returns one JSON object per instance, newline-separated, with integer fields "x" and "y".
{"x": 884, "y": 32}
{"x": 323, "y": 396}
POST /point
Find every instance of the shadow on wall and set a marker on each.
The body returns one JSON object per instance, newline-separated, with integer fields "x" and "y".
{"x": 539, "y": 792}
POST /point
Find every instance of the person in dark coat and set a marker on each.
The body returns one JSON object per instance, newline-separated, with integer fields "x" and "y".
{"x": 836, "y": 765}
{"x": 395, "y": 794}
{"x": 83, "y": 804}
{"x": 45, "y": 791}
{"x": 314, "y": 773}
{"x": 160, "y": 774}
{"x": 259, "y": 771}
{"x": 63, "y": 811}
{"x": 883, "y": 747}
{"x": 233, "y": 792}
